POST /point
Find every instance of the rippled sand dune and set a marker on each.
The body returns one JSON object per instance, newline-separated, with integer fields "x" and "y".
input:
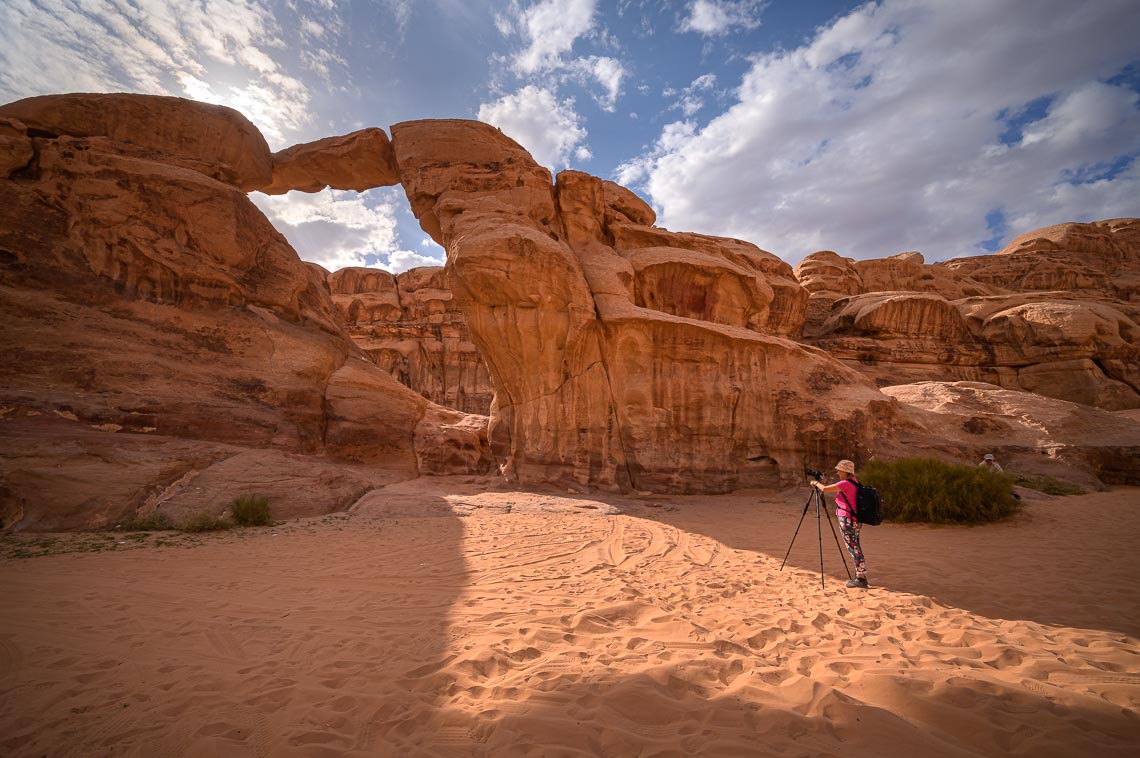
{"x": 507, "y": 623}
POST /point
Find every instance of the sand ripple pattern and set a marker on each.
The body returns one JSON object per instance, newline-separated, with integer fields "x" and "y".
{"x": 544, "y": 628}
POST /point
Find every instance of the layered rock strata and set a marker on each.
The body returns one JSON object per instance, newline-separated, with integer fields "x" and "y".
{"x": 1098, "y": 260}
{"x": 409, "y": 325}
{"x": 991, "y": 318}
{"x": 143, "y": 298}
{"x": 168, "y": 350}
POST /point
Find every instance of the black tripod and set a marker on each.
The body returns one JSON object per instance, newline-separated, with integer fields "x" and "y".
{"x": 817, "y": 497}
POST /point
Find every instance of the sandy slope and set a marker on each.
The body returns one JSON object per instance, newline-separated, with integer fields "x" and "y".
{"x": 502, "y": 623}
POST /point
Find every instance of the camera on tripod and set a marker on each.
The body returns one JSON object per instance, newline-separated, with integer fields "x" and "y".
{"x": 821, "y": 514}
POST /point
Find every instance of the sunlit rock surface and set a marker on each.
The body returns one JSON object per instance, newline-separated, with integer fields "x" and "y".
{"x": 210, "y": 139}
{"x": 1055, "y": 313}
{"x": 358, "y": 161}
{"x": 624, "y": 355}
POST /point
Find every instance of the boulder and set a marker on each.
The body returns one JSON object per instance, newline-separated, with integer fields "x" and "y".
{"x": 210, "y": 139}
{"x": 358, "y": 161}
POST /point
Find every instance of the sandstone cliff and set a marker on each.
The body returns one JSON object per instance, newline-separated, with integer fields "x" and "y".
{"x": 1055, "y": 313}
{"x": 210, "y": 139}
{"x": 168, "y": 350}
{"x": 143, "y": 299}
{"x": 624, "y": 355}
{"x": 409, "y": 325}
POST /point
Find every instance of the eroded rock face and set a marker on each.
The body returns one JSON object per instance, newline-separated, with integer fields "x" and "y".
{"x": 410, "y": 326}
{"x": 143, "y": 300}
{"x": 165, "y": 340}
{"x": 1099, "y": 260}
{"x": 15, "y": 147}
{"x": 210, "y": 139}
{"x": 990, "y": 318}
{"x": 624, "y": 355}
{"x": 1028, "y": 433}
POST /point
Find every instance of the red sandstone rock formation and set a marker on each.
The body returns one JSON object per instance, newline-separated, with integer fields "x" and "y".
{"x": 602, "y": 331}
{"x": 210, "y": 139}
{"x": 168, "y": 349}
{"x": 624, "y": 355}
{"x": 1100, "y": 260}
{"x": 409, "y": 326}
{"x": 1028, "y": 433}
{"x": 145, "y": 301}
{"x": 1001, "y": 319}
{"x": 357, "y": 161}
{"x": 15, "y": 148}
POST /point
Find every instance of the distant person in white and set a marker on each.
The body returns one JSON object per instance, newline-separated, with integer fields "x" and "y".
{"x": 989, "y": 463}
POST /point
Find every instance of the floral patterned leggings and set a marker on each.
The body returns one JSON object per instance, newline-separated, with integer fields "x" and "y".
{"x": 850, "y": 528}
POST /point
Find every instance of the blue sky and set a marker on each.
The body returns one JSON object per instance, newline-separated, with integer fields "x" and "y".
{"x": 864, "y": 128}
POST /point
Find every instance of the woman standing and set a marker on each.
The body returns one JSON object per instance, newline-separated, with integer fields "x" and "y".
{"x": 845, "y": 513}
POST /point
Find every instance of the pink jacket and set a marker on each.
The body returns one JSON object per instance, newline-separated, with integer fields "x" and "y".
{"x": 845, "y": 498}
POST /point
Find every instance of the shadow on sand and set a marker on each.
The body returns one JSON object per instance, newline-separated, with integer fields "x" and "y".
{"x": 1072, "y": 552}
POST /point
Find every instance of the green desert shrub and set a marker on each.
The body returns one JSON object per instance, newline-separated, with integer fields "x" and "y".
{"x": 206, "y": 522}
{"x": 155, "y": 522}
{"x": 933, "y": 491}
{"x": 251, "y": 510}
{"x": 1047, "y": 484}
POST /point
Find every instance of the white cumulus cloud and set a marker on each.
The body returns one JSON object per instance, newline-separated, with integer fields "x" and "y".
{"x": 607, "y": 72}
{"x": 338, "y": 229}
{"x": 713, "y": 18}
{"x": 402, "y": 260}
{"x": 551, "y": 27}
{"x": 549, "y": 30}
{"x": 910, "y": 125}
{"x": 547, "y": 127}
{"x": 164, "y": 47}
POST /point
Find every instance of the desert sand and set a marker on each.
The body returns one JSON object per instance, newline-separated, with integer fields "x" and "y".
{"x": 449, "y": 617}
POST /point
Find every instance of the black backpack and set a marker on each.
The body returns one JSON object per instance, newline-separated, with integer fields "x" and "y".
{"x": 868, "y": 504}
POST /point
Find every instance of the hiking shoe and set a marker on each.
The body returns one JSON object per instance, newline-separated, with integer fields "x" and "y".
{"x": 859, "y": 581}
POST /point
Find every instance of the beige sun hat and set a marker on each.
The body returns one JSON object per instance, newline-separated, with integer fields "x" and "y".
{"x": 847, "y": 467}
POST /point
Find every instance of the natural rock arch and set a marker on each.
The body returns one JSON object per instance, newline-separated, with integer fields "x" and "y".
{"x": 609, "y": 369}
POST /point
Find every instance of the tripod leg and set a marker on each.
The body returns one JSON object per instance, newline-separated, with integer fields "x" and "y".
{"x": 842, "y": 552}
{"x": 819, "y": 533}
{"x": 806, "y": 506}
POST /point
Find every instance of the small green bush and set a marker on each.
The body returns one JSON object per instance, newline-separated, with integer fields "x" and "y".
{"x": 155, "y": 522}
{"x": 933, "y": 491}
{"x": 1047, "y": 484}
{"x": 251, "y": 510}
{"x": 206, "y": 522}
